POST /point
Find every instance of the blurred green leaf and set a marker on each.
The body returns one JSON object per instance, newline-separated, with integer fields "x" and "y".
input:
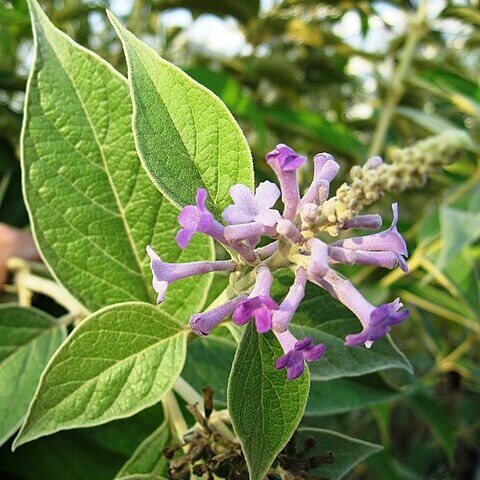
{"x": 208, "y": 364}
{"x": 333, "y": 135}
{"x": 459, "y": 229}
{"x": 347, "y": 451}
{"x": 244, "y": 11}
{"x": 347, "y": 394}
{"x": 438, "y": 419}
{"x": 148, "y": 458}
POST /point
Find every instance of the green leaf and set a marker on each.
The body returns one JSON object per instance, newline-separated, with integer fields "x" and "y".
{"x": 118, "y": 361}
{"x": 439, "y": 421}
{"x": 208, "y": 364}
{"x": 334, "y": 135}
{"x": 82, "y": 454}
{"x": 185, "y": 136}
{"x": 28, "y": 338}
{"x": 243, "y": 11}
{"x": 347, "y": 451}
{"x": 148, "y": 458}
{"x": 78, "y": 147}
{"x": 264, "y": 406}
{"x": 143, "y": 477}
{"x": 347, "y": 394}
{"x": 458, "y": 229}
{"x": 326, "y": 320}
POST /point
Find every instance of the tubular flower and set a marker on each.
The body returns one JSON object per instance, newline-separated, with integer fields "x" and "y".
{"x": 285, "y": 163}
{"x": 259, "y": 304}
{"x": 296, "y": 353}
{"x": 294, "y": 246}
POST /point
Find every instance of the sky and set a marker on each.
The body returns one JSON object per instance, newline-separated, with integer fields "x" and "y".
{"x": 224, "y": 38}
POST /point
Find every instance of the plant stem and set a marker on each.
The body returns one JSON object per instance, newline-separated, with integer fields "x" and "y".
{"x": 415, "y": 32}
{"x": 26, "y": 283}
{"x": 174, "y": 415}
{"x": 192, "y": 397}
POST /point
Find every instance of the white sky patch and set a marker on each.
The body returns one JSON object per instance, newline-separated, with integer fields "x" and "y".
{"x": 121, "y": 8}
{"x": 222, "y": 38}
{"x": 179, "y": 17}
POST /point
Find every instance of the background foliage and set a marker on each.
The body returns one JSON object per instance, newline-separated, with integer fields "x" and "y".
{"x": 318, "y": 76}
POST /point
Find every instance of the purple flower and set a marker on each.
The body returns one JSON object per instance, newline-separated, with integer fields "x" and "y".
{"x": 288, "y": 229}
{"x": 372, "y": 222}
{"x": 385, "y": 249}
{"x": 296, "y": 353}
{"x": 318, "y": 265}
{"x": 166, "y": 273}
{"x": 285, "y": 162}
{"x": 257, "y": 208}
{"x": 376, "y": 321}
{"x": 260, "y": 308}
{"x": 325, "y": 170}
{"x": 197, "y": 218}
{"x": 282, "y": 317}
{"x": 203, "y": 323}
{"x": 381, "y": 319}
{"x": 285, "y": 159}
{"x": 259, "y": 304}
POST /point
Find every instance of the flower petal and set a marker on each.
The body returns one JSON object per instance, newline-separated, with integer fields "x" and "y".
{"x": 234, "y": 214}
{"x": 243, "y": 197}
{"x": 268, "y": 218}
{"x": 266, "y": 194}
{"x": 263, "y": 319}
{"x": 183, "y": 237}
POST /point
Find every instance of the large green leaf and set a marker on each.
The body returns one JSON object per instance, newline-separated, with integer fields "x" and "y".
{"x": 93, "y": 209}
{"x": 347, "y": 452}
{"x": 148, "y": 458}
{"x": 326, "y": 320}
{"x": 119, "y": 361}
{"x": 264, "y": 406}
{"x": 28, "y": 338}
{"x": 185, "y": 135}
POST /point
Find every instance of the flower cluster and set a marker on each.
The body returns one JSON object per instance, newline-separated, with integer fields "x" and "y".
{"x": 251, "y": 216}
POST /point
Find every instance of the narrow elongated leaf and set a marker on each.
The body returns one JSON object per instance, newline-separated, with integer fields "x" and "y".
{"x": 148, "y": 458}
{"x": 78, "y": 146}
{"x": 28, "y": 338}
{"x": 264, "y": 406}
{"x": 119, "y": 361}
{"x": 185, "y": 135}
{"x": 458, "y": 230}
{"x": 439, "y": 421}
{"x": 326, "y": 320}
{"x": 347, "y": 451}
